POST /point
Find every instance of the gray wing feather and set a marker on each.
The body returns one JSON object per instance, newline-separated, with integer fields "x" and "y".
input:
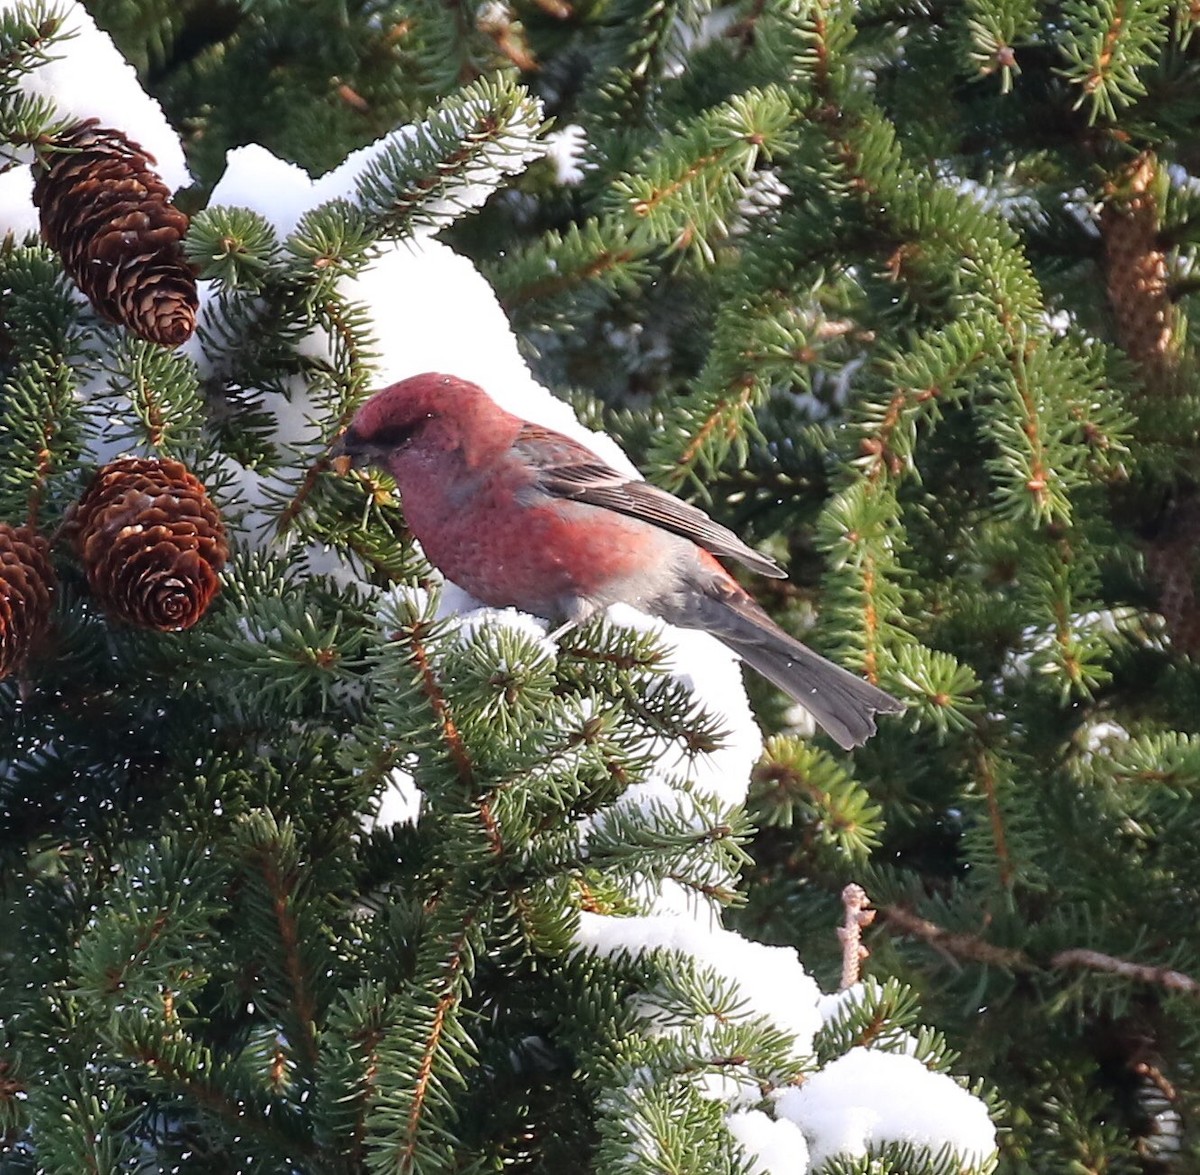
{"x": 568, "y": 470}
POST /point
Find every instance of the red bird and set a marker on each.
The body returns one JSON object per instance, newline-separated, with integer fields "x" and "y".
{"x": 521, "y": 516}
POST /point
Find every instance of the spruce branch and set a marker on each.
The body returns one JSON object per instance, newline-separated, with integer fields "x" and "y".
{"x": 681, "y": 197}
{"x": 235, "y": 247}
{"x": 761, "y": 341}
{"x": 451, "y": 161}
{"x": 272, "y": 859}
{"x": 931, "y": 372}
{"x": 37, "y": 433}
{"x": 27, "y": 33}
{"x": 1164, "y": 977}
{"x": 862, "y": 534}
{"x": 745, "y": 29}
{"x": 876, "y": 1014}
{"x": 631, "y": 57}
{"x": 414, "y": 636}
{"x": 798, "y": 785}
{"x": 709, "y": 430}
{"x": 446, "y": 1002}
{"x": 41, "y": 422}
{"x": 973, "y": 948}
{"x": 684, "y": 192}
{"x": 349, "y": 374}
{"x": 26, "y": 122}
{"x": 216, "y": 1087}
{"x": 156, "y": 394}
{"x": 818, "y": 37}
{"x": 299, "y": 500}
{"x": 547, "y": 278}
{"x": 506, "y": 33}
{"x": 1106, "y": 43}
{"x": 425, "y": 1050}
{"x": 83, "y": 1121}
{"x": 956, "y": 946}
{"x": 993, "y": 35}
{"x": 985, "y": 774}
{"x": 351, "y": 1063}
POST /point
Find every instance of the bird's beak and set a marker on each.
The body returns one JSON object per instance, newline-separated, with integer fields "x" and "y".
{"x": 342, "y": 453}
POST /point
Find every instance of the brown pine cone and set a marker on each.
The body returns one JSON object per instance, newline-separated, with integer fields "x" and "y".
{"x": 109, "y": 216}
{"x": 1136, "y": 267}
{"x": 151, "y": 542}
{"x": 1173, "y": 559}
{"x": 26, "y": 587}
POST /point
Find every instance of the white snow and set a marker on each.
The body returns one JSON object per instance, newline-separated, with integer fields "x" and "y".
{"x": 775, "y": 1145}
{"x": 832, "y": 1004}
{"x": 522, "y": 623}
{"x": 17, "y": 213}
{"x": 713, "y": 674}
{"x": 254, "y": 178}
{"x": 772, "y": 980}
{"x": 565, "y": 149}
{"x": 399, "y": 802}
{"x": 868, "y": 1098}
{"x": 764, "y": 192}
{"x": 88, "y": 78}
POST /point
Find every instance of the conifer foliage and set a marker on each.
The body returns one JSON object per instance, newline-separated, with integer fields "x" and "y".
{"x": 899, "y": 291}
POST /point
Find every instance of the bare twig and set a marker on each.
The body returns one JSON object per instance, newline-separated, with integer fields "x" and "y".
{"x": 971, "y": 948}
{"x": 1139, "y": 972}
{"x": 858, "y": 916}
{"x": 968, "y": 947}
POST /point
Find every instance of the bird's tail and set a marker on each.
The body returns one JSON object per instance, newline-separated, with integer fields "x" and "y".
{"x": 843, "y": 704}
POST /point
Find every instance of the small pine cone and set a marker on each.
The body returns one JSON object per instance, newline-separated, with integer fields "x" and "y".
{"x": 151, "y": 542}
{"x": 1172, "y": 562}
{"x": 110, "y": 217}
{"x": 26, "y": 585}
{"x": 1136, "y": 268}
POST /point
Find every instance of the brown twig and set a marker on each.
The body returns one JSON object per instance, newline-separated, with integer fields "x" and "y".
{"x": 971, "y": 948}
{"x": 406, "y": 1151}
{"x": 352, "y": 98}
{"x": 508, "y": 37}
{"x": 282, "y": 887}
{"x": 965, "y": 947}
{"x": 987, "y": 777}
{"x": 439, "y": 704}
{"x": 859, "y": 915}
{"x": 1138, "y": 972}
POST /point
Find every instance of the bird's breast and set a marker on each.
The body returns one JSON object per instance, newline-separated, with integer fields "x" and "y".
{"x": 511, "y": 545}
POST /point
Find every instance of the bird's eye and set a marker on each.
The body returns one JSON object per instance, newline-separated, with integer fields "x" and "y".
{"x": 392, "y": 436}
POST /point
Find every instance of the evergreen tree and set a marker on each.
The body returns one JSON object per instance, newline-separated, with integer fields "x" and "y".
{"x": 898, "y": 291}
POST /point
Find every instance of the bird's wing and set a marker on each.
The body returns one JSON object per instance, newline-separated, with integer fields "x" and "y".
{"x": 568, "y": 470}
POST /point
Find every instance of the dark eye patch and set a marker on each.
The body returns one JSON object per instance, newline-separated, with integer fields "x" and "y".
{"x": 392, "y": 436}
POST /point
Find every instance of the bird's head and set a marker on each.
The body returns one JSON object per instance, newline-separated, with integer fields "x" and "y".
{"x": 404, "y": 413}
